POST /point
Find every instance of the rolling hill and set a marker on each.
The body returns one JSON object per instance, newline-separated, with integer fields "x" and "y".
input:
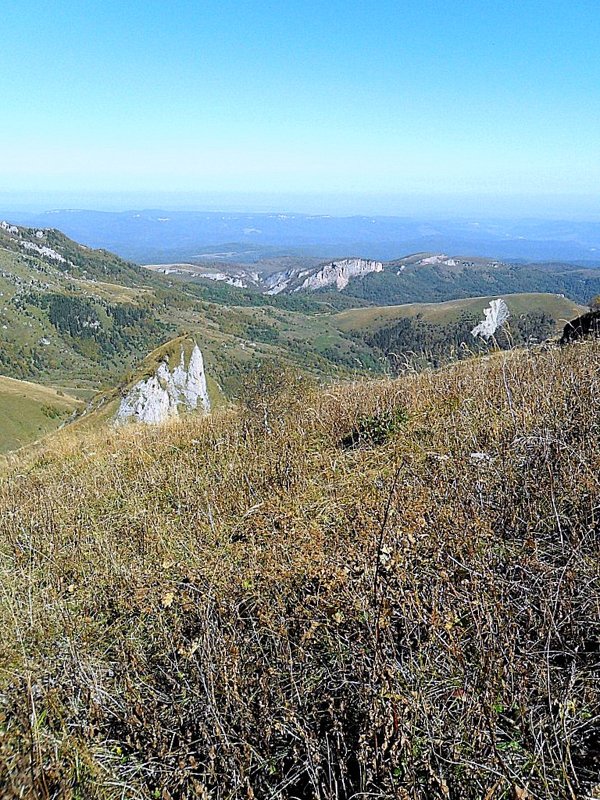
{"x": 427, "y": 277}
{"x": 68, "y": 313}
{"x": 560, "y": 308}
{"x": 330, "y": 345}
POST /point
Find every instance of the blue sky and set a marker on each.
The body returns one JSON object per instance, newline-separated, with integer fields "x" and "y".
{"x": 417, "y": 97}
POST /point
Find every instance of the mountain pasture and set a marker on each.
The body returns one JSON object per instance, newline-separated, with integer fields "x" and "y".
{"x": 28, "y": 411}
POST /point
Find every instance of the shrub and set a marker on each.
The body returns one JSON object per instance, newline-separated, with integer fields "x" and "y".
{"x": 375, "y": 429}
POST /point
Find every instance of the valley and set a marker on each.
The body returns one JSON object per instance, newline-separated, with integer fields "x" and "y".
{"x": 88, "y": 323}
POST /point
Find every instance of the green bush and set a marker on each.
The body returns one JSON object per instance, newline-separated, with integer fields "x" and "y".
{"x": 375, "y": 429}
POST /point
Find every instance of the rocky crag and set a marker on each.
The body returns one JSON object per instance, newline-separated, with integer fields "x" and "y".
{"x": 336, "y": 274}
{"x": 163, "y": 395}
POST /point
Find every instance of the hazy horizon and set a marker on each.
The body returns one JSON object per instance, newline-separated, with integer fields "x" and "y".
{"x": 415, "y": 206}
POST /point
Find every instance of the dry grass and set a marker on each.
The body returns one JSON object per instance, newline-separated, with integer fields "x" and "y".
{"x": 239, "y": 607}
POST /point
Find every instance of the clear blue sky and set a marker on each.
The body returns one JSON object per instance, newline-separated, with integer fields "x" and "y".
{"x": 413, "y": 96}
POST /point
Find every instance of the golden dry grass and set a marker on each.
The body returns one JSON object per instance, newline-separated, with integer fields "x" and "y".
{"x": 239, "y": 606}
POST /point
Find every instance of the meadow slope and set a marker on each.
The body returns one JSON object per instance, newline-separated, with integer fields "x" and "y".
{"x": 558, "y": 307}
{"x": 382, "y": 589}
{"x": 28, "y": 411}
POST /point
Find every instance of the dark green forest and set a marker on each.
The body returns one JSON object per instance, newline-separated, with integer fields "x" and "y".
{"x": 415, "y": 341}
{"x": 96, "y": 328}
{"x": 434, "y": 284}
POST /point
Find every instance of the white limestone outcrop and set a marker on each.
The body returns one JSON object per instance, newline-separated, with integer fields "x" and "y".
{"x": 42, "y": 250}
{"x": 232, "y": 280}
{"x": 339, "y": 273}
{"x": 494, "y": 317}
{"x": 164, "y": 394}
{"x": 32, "y": 247}
{"x": 279, "y": 281}
{"x": 437, "y": 258}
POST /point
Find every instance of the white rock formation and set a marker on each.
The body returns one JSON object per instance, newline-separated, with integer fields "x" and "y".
{"x": 232, "y": 280}
{"x": 161, "y": 396}
{"x": 191, "y": 383}
{"x": 494, "y": 317}
{"x": 438, "y": 258}
{"x": 338, "y": 273}
{"x": 279, "y": 281}
{"x": 42, "y": 250}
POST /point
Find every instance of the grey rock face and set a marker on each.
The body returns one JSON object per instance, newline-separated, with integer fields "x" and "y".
{"x": 165, "y": 393}
{"x": 494, "y": 318}
{"x": 338, "y": 273}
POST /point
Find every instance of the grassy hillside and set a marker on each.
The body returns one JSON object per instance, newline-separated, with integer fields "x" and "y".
{"x": 28, "y": 411}
{"x": 48, "y": 339}
{"x": 561, "y": 309}
{"x": 66, "y": 320}
{"x": 430, "y": 334}
{"x": 324, "y": 345}
{"x": 85, "y": 318}
{"x": 388, "y": 589}
{"x": 53, "y": 248}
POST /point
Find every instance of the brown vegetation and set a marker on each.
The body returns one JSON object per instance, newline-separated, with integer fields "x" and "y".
{"x": 242, "y": 606}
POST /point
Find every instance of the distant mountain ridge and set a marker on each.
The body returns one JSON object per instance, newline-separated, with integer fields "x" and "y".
{"x": 159, "y": 236}
{"x": 420, "y": 277}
